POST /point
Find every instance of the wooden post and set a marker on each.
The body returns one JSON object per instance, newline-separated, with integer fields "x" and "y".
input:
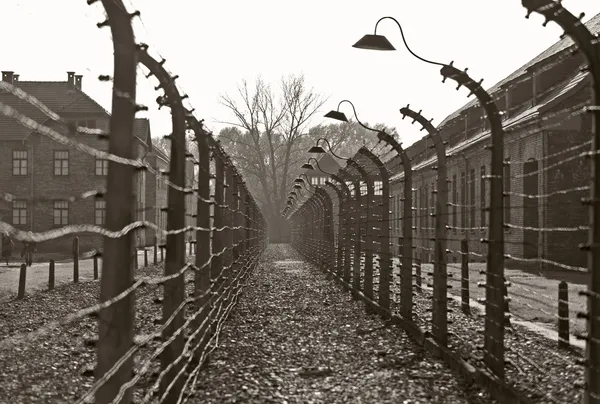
{"x": 155, "y": 250}
{"x": 464, "y": 290}
{"x": 22, "y": 280}
{"x": 563, "y": 315}
{"x": 51, "y": 275}
{"x": 136, "y": 263}
{"x": 162, "y": 254}
{"x": 76, "y": 260}
{"x": 95, "y": 266}
{"x": 145, "y": 257}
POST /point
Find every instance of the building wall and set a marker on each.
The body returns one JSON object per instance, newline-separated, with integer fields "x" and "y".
{"x": 48, "y": 187}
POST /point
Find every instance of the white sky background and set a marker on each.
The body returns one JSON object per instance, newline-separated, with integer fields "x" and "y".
{"x": 213, "y": 45}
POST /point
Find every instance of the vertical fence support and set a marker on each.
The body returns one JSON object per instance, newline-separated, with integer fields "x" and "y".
{"x": 495, "y": 317}
{"x": 385, "y": 267}
{"x": 202, "y": 275}
{"x": 174, "y": 289}
{"x": 51, "y": 269}
{"x": 563, "y": 315}
{"x": 218, "y": 237}
{"x": 155, "y": 250}
{"x": 406, "y": 264}
{"x": 588, "y": 45}
{"x": 76, "y": 260}
{"x": 440, "y": 271}
{"x": 116, "y": 321}
{"x": 464, "y": 269}
{"x": 22, "y": 281}
{"x": 95, "y": 266}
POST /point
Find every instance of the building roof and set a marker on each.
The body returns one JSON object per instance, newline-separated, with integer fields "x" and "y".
{"x": 562, "y": 46}
{"x": 562, "y": 91}
{"x": 58, "y": 96}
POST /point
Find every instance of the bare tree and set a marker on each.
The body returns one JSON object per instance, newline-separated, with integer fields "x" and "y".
{"x": 271, "y": 129}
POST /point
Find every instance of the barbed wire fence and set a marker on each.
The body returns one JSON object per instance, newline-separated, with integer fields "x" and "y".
{"x": 209, "y": 204}
{"x": 465, "y": 250}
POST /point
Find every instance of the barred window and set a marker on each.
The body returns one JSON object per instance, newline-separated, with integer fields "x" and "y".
{"x": 19, "y": 212}
{"x": 378, "y": 187}
{"x": 19, "y": 162}
{"x": 100, "y": 212}
{"x": 61, "y": 213}
{"x": 61, "y": 162}
{"x": 482, "y": 197}
{"x": 101, "y": 166}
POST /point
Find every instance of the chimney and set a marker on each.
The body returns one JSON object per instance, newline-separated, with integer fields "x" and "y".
{"x": 15, "y": 79}
{"x": 78, "y": 78}
{"x": 71, "y": 79}
{"x": 7, "y": 77}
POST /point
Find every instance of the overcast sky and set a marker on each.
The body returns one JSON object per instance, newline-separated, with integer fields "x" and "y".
{"x": 212, "y": 46}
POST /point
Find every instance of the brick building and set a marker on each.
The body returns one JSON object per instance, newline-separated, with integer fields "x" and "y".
{"x": 544, "y": 176}
{"x": 44, "y": 184}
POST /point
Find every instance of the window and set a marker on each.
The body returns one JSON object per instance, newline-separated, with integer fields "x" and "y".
{"x": 101, "y": 166}
{"x": 463, "y": 201}
{"x": 61, "y": 162}
{"x": 378, "y": 185}
{"x": 322, "y": 180}
{"x": 19, "y": 162}
{"x": 363, "y": 188}
{"x": 100, "y": 212}
{"x": 482, "y": 197}
{"x": 507, "y": 190}
{"x": 426, "y": 207}
{"x": 61, "y": 213}
{"x": 454, "y": 203}
{"x": 472, "y": 204}
{"x": 19, "y": 212}
{"x": 432, "y": 204}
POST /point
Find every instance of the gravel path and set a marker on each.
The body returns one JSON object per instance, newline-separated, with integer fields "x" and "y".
{"x": 296, "y": 337}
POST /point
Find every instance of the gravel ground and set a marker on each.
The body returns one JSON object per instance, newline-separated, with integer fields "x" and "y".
{"x": 58, "y": 367}
{"x": 535, "y": 366}
{"x": 296, "y": 337}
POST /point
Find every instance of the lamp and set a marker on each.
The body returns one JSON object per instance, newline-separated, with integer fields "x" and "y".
{"x": 374, "y": 42}
{"x": 337, "y": 115}
{"x": 381, "y": 43}
{"x": 307, "y": 166}
{"x": 316, "y": 150}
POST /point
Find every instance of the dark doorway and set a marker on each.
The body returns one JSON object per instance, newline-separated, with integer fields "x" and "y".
{"x": 530, "y": 209}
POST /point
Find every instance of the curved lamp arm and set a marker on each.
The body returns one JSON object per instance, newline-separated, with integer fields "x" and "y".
{"x": 356, "y": 115}
{"x": 319, "y": 167}
{"x": 357, "y": 45}
{"x": 306, "y": 181}
{"x": 330, "y": 148}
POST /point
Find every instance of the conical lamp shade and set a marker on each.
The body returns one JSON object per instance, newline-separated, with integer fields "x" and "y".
{"x": 307, "y": 166}
{"x": 374, "y": 42}
{"x": 316, "y": 149}
{"x": 337, "y": 115}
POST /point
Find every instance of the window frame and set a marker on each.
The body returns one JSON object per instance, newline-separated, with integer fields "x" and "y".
{"x": 19, "y": 159}
{"x": 60, "y": 209}
{"x": 101, "y": 210}
{"x": 103, "y": 165}
{"x": 62, "y": 168}
{"x": 24, "y": 209}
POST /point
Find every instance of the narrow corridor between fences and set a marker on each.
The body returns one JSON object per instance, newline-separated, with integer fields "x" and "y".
{"x": 297, "y": 337}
